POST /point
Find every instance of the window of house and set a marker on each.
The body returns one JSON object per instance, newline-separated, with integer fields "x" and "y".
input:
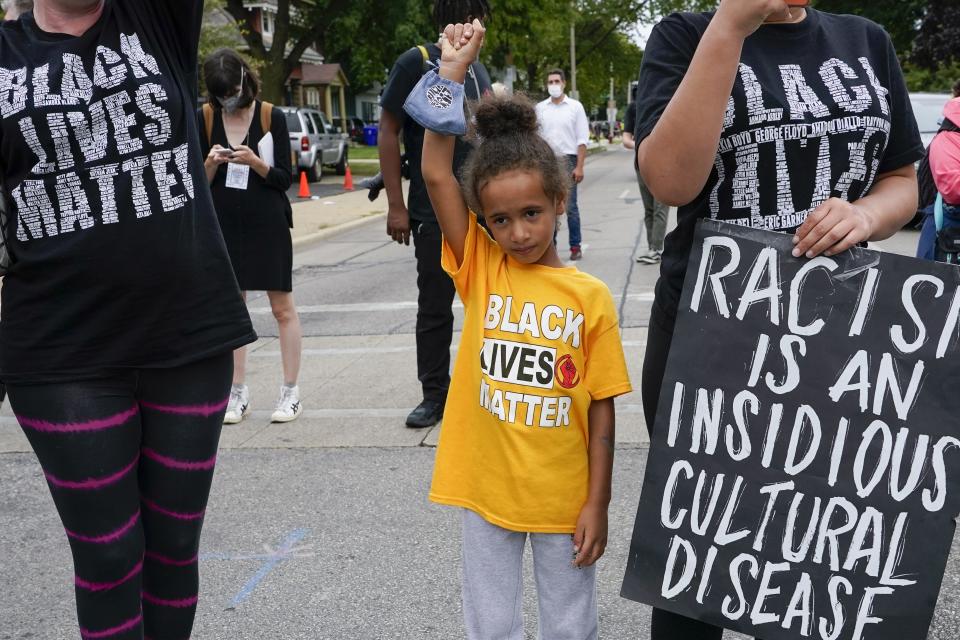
{"x": 336, "y": 107}
{"x": 312, "y": 97}
{"x": 267, "y": 20}
{"x": 369, "y": 110}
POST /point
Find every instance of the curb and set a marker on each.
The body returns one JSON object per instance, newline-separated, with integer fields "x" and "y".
{"x": 334, "y": 229}
{"x": 346, "y": 226}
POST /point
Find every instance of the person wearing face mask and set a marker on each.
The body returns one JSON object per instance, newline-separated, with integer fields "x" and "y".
{"x": 564, "y": 124}
{"x": 120, "y": 310}
{"x": 837, "y": 171}
{"x": 249, "y": 185}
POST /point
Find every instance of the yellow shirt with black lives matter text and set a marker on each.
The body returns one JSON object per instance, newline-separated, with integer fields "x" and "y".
{"x": 539, "y": 343}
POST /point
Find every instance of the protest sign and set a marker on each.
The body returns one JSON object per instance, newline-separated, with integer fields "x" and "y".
{"x": 804, "y": 470}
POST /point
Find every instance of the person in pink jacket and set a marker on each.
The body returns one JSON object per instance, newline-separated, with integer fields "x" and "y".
{"x": 945, "y": 158}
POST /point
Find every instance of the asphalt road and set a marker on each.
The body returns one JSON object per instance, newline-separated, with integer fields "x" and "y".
{"x": 322, "y": 529}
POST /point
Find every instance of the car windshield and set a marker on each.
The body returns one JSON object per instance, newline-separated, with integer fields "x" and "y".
{"x": 928, "y": 111}
{"x": 293, "y": 123}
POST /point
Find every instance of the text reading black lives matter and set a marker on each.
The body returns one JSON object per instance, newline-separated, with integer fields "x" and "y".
{"x": 803, "y": 475}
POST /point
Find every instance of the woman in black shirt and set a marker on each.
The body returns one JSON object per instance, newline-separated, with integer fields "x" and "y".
{"x": 250, "y": 195}
{"x": 120, "y": 309}
{"x": 718, "y": 97}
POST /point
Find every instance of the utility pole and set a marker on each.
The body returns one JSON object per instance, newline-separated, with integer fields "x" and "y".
{"x": 611, "y": 108}
{"x": 573, "y": 51}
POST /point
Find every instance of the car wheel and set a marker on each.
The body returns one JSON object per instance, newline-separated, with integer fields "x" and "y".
{"x": 341, "y": 166}
{"x": 315, "y": 173}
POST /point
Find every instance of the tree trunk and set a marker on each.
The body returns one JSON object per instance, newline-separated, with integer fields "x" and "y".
{"x": 273, "y": 83}
{"x": 533, "y": 78}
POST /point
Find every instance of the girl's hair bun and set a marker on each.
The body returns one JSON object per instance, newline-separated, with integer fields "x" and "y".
{"x": 503, "y": 115}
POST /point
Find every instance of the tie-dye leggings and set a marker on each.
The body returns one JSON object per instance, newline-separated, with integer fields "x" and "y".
{"x": 129, "y": 460}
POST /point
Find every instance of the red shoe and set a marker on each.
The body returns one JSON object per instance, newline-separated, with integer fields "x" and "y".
{"x": 575, "y": 253}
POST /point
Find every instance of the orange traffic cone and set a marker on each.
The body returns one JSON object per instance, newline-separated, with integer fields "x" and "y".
{"x": 348, "y": 180}
{"x": 304, "y": 186}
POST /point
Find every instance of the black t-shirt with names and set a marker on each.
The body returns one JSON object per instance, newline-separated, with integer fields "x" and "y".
{"x": 404, "y": 76}
{"x": 119, "y": 260}
{"x": 819, "y": 108}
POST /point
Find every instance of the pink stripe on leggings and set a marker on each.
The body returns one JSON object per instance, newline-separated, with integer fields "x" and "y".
{"x": 106, "y": 633}
{"x": 182, "y": 465}
{"x": 75, "y": 427}
{"x": 106, "y": 586}
{"x": 205, "y": 410}
{"x": 153, "y": 506}
{"x": 109, "y": 537}
{"x": 156, "y": 557}
{"x": 177, "y": 604}
{"x": 92, "y": 483}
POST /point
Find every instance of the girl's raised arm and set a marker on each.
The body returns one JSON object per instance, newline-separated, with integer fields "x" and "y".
{"x": 461, "y": 46}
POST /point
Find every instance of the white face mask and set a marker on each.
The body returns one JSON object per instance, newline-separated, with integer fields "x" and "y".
{"x": 555, "y": 90}
{"x": 231, "y": 104}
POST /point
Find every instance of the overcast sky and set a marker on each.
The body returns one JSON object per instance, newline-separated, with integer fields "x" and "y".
{"x": 641, "y": 33}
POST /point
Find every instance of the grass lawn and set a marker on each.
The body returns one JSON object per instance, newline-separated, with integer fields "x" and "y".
{"x": 361, "y": 152}
{"x": 364, "y": 169}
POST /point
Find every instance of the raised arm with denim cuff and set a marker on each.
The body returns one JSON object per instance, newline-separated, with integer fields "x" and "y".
{"x": 436, "y": 104}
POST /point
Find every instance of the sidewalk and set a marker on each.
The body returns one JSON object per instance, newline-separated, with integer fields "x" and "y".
{"x": 315, "y": 219}
{"x": 318, "y": 218}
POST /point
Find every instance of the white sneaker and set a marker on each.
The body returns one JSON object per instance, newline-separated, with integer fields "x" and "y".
{"x": 288, "y": 406}
{"x": 239, "y": 404}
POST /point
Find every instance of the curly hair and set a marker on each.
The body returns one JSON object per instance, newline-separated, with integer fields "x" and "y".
{"x": 509, "y": 139}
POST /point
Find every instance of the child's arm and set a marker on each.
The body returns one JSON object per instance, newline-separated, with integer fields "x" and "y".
{"x": 461, "y": 46}
{"x": 590, "y": 539}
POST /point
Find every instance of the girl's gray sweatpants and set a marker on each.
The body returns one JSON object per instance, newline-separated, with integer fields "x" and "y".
{"x": 493, "y": 584}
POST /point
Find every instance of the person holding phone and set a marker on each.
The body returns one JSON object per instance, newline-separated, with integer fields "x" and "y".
{"x": 772, "y": 115}
{"x": 250, "y": 195}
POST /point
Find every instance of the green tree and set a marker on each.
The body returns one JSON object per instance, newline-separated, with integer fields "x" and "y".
{"x": 216, "y": 32}
{"x": 938, "y": 38}
{"x": 900, "y": 18}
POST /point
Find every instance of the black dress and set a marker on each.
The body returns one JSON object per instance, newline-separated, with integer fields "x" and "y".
{"x": 256, "y": 221}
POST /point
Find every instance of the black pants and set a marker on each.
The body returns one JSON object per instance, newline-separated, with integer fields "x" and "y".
{"x": 664, "y": 624}
{"x": 434, "y": 313}
{"x": 129, "y": 460}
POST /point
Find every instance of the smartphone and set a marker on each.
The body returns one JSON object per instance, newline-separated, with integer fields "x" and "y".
{"x": 224, "y": 152}
{"x": 798, "y": 3}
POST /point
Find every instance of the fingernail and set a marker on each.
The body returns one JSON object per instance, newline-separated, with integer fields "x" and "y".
{"x": 809, "y": 254}
{"x": 796, "y": 239}
{"x": 796, "y": 253}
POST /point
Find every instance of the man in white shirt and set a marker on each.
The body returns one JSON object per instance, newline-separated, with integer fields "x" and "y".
{"x": 563, "y": 124}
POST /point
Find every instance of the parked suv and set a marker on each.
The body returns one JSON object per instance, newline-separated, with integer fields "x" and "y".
{"x": 315, "y": 142}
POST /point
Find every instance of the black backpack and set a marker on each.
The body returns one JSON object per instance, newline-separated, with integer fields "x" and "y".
{"x": 927, "y": 187}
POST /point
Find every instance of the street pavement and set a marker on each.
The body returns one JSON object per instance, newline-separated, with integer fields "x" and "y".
{"x": 321, "y": 528}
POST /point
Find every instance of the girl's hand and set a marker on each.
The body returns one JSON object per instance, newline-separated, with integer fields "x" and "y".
{"x": 460, "y": 43}
{"x": 742, "y": 17}
{"x": 833, "y": 227}
{"x": 590, "y": 540}
{"x": 243, "y": 154}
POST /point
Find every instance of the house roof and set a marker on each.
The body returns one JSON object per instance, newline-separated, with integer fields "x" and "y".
{"x": 324, "y": 74}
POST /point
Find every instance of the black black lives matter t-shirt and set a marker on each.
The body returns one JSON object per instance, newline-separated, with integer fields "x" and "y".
{"x": 404, "y": 76}
{"x": 119, "y": 260}
{"x": 819, "y": 109}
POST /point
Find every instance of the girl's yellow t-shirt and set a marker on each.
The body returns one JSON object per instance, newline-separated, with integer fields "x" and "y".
{"x": 539, "y": 343}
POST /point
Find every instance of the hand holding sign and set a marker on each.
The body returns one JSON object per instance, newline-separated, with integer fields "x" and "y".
{"x": 804, "y": 473}
{"x": 832, "y": 228}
